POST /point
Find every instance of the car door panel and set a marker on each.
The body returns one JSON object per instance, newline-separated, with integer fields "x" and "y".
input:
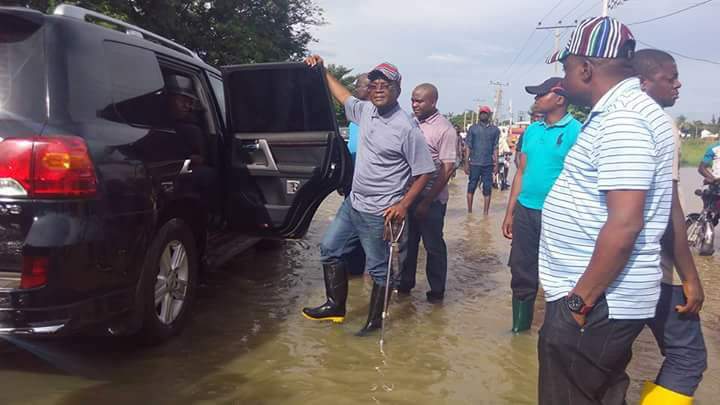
{"x": 286, "y": 154}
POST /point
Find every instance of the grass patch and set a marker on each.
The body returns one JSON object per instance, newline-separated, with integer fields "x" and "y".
{"x": 693, "y": 150}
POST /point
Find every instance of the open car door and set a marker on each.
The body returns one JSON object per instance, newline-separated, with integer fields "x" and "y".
{"x": 286, "y": 153}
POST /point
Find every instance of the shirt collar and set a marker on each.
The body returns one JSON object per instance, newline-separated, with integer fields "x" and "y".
{"x": 388, "y": 115}
{"x": 430, "y": 119}
{"x": 618, "y": 90}
{"x": 563, "y": 121}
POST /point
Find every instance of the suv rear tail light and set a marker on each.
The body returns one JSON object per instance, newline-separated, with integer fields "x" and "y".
{"x": 34, "y": 272}
{"x": 46, "y": 166}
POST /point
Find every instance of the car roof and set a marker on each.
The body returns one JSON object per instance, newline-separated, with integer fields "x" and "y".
{"x": 106, "y": 33}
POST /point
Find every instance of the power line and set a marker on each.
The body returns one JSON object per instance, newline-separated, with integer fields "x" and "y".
{"x": 673, "y": 13}
{"x": 577, "y": 6}
{"x": 527, "y": 41}
{"x": 712, "y": 62}
{"x": 551, "y": 10}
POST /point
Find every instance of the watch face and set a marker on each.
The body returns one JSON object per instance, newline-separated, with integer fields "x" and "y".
{"x": 575, "y": 303}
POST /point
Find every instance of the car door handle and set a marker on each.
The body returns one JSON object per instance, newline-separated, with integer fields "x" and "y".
{"x": 250, "y": 147}
{"x": 270, "y": 166}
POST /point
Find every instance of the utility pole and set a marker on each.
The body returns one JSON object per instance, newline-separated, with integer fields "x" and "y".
{"x": 498, "y": 97}
{"x": 557, "y": 37}
{"x": 605, "y": 7}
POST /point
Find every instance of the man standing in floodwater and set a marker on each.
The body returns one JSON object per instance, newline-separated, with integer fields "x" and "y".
{"x": 481, "y": 157}
{"x": 392, "y": 168}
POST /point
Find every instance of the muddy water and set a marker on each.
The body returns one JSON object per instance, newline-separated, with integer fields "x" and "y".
{"x": 248, "y": 344}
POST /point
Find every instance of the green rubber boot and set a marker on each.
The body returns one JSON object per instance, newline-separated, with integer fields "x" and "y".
{"x": 523, "y": 311}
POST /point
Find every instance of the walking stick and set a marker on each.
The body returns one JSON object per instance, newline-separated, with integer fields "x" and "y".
{"x": 393, "y": 231}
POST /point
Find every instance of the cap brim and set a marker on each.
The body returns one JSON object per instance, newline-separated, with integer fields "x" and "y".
{"x": 559, "y": 56}
{"x": 536, "y": 90}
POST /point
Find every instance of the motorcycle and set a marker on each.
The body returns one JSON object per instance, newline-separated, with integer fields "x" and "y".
{"x": 701, "y": 226}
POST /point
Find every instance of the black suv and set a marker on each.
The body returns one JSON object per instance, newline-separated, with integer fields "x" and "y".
{"x": 128, "y": 165}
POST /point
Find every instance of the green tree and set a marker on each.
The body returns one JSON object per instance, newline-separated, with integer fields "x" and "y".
{"x": 342, "y": 74}
{"x": 221, "y": 31}
{"x": 580, "y": 113}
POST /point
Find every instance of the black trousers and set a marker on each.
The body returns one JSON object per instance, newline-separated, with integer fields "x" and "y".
{"x": 584, "y": 366}
{"x": 524, "y": 252}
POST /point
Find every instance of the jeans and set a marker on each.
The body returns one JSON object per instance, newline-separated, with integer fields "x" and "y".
{"x": 681, "y": 341}
{"x": 482, "y": 174}
{"x": 431, "y": 232}
{"x": 584, "y": 366}
{"x": 349, "y": 226}
{"x": 524, "y": 252}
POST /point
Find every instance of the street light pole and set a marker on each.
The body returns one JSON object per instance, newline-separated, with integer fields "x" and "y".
{"x": 605, "y": 7}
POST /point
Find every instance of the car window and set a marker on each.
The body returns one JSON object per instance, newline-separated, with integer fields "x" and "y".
{"x": 219, "y": 90}
{"x": 136, "y": 81}
{"x": 284, "y": 99}
{"x": 22, "y": 73}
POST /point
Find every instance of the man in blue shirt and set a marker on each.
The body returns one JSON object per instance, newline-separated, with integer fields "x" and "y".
{"x": 393, "y": 167}
{"x": 545, "y": 145}
{"x": 361, "y": 93}
{"x": 354, "y": 255}
{"x": 481, "y": 157}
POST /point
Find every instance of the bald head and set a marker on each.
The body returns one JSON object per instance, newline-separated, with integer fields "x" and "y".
{"x": 429, "y": 89}
{"x": 424, "y": 101}
{"x": 659, "y": 76}
{"x": 361, "y": 86}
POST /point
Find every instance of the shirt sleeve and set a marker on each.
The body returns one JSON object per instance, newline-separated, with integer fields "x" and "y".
{"x": 417, "y": 154}
{"x": 496, "y": 141}
{"x": 709, "y": 156}
{"x": 469, "y": 138}
{"x": 625, "y": 152}
{"x": 447, "y": 145}
{"x": 354, "y": 109}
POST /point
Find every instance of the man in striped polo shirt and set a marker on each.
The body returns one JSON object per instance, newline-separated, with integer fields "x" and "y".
{"x": 602, "y": 223}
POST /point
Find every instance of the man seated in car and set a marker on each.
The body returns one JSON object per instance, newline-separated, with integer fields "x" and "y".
{"x": 181, "y": 101}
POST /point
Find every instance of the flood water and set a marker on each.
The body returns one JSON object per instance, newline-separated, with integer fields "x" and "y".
{"x": 247, "y": 342}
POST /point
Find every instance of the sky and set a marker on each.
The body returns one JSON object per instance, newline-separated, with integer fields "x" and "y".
{"x": 463, "y": 45}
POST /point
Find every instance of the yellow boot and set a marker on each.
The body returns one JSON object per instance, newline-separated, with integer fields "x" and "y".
{"x": 653, "y": 394}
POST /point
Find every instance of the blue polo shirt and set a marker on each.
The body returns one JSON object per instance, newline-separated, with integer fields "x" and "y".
{"x": 353, "y": 135}
{"x": 545, "y": 148}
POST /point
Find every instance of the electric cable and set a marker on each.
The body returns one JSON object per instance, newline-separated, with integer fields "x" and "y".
{"x": 671, "y": 14}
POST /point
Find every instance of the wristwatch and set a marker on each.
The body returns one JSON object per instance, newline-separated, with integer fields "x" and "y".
{"x": 576, "y": 304}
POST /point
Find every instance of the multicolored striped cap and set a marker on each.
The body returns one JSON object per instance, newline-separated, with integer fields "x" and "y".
{"x": 598, "y": 37}
{"x": 388, "y": 70}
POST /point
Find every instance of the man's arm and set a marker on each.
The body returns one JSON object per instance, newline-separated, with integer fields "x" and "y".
{"x": 682, "y": 257}
{"x": 398, "y": 211}
{"x": 514, "y": 193}
{"x": 704, "y": 171}
{"x": 448, "y": 154}
{"x": 338, "y": 91}
{"x": 614, "y": 244}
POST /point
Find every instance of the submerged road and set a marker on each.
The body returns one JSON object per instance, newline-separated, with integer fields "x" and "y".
{"x": 248, "y": 344}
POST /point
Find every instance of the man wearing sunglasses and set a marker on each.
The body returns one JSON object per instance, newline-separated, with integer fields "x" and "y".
{"x": 392, "y": 167}
{"x": 545, "y": 144}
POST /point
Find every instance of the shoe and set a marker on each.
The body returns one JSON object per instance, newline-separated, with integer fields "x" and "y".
{"x": 377, "y": 302}
{"x": 523, "y": 311}
{"x": 434, "y": 297}
{"x": 403, "y": 291}
{"x": 653, "y": 394}
{"x": 336, "y": 289}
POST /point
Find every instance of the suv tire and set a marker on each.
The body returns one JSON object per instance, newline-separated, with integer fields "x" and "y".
{"x": 168, "y": 284}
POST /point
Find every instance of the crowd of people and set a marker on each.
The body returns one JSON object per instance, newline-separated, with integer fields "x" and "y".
{"x": 593, "y": 213}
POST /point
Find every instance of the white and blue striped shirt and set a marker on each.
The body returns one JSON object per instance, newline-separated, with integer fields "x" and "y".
{"x": 625, "y": 144}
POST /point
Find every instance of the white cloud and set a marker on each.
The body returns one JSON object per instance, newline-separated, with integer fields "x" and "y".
{"x": 446, "y": 58}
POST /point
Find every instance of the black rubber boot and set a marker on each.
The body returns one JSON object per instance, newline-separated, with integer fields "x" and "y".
{"x": 377, "y": 302}
{"x": 523, "y": 311}
{"x": 336, "y": 289}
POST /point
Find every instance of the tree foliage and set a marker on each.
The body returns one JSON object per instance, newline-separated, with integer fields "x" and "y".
{"x": 342, "y": 74}
{"x": 221, "y": 31}
{"x": 580, "y": 113}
